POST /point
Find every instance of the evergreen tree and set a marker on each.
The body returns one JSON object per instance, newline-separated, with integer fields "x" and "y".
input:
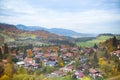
{"x": 114, "y": 42}
{"x": 118, "y": 68}
{"x": 95, "y": 59}
{"x": 95, "y": 46}
{"x": 106, "y": 54}
{"x": 1, "y": 53}
{"x": 17, "y": 51}
{"x": 74, "y": 77}
{"x": 30, "y": 46}
{"x": 24, "y": 52}
{"x": 6, "y": 49}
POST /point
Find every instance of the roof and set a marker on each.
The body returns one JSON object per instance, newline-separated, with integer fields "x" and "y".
{"x": 69, "y": 54}
{"x": 70, "y": 67}
{"x": 58, "y": 72}
{"x": 28, "y": 59}
{"x": 117, "y": 52}
{"x": 20, "y": 63}
{"x": 53, "y": 58}
{"x": 47, "y": 55}
{"x": 50, "y": 63}
{"x": 91, "y": 70}
{"x": 80, "y": 74}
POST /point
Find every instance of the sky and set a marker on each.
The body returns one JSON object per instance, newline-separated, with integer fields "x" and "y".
{"x": 84, "y": 16}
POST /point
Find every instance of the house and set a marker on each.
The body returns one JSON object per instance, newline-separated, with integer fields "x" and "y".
{"x": 29, "y": 61}
{"x": 81, "y": 69}
{"x": 79, "y": 75}
{"x": 47, "y": 55}
{"x": 74, "y": 49}
{"x": 35, "y": 66}
{"x": 50, "y": 63}
{"x": 4, "y": 61}
{"x": 68, "y": 54}
{"x": 19, "y": 57}
{"x": 58, "y": 73}
{"x": 117, "y": 53}
{"x": 64, "y": 49}
{"x": 20, "y": 63}
{"x": 94, "y": 73}
{"x": 68, "y": 68}
{"x": 53, "y": 58}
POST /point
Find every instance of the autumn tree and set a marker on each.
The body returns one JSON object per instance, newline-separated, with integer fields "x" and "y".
{"x": 68, "y": 77}
{"x": 116, "y": 61}
{"x": 101, "y": 61}
{"x": 49, "y": 69}
{"x": 76, "y": 63}
{"x": 21, "y": 70}
{"x": 21, "y": 77}
{"x": 60, "y": 62}
{"x": 5, "y": 77}
{"x": 8, "y": 70}
{"x": 41, "y": 77}
{"x": 1, "y": 69}
{"x": 29, "y": 53}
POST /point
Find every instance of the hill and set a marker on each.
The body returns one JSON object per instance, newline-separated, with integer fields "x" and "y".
{"x": 30, "y": 28}
{"x": 99, "y": 39}
{"x": 12, "y": 33}
{"x": 58, "y": 31}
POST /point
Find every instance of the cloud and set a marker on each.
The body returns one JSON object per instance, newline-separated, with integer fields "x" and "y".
{"x": 14, "y": 8}
{"x": 85, "y": 16}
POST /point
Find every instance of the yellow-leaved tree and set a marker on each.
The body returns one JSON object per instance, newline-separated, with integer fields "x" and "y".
{"x": 8, "y": 70}
{"x": 60, "y": 62}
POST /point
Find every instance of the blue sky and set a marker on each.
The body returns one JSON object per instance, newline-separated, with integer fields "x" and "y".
{"x": 86, "y": 16}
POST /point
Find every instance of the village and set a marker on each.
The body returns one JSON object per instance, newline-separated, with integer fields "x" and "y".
{"x": 81, "y": 63}
{"x": 64, "y": 60}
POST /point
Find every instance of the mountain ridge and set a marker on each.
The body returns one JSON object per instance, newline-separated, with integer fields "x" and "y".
{"x": 13, "y": 32}
{"x": 58, "y": 31}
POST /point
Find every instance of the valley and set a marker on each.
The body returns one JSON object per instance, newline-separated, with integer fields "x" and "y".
{"x": 27, "y": 54}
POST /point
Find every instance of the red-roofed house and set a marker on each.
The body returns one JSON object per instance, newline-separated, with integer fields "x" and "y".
{"x": 29, "y": 61}
{"x": 93, "y": 73}
{"x": 117, "y": 53}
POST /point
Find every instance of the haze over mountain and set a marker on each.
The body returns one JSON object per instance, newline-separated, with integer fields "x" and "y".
{"x": 59, "y": 31}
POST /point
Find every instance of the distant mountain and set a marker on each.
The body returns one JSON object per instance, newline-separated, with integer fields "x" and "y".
{"x": 11, "y": 32}
{"x": 59, "y": 31}
{"x": 30, "y": 28}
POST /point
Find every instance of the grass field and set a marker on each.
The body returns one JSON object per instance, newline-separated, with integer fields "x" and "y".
{"x": 91, "y": 43}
